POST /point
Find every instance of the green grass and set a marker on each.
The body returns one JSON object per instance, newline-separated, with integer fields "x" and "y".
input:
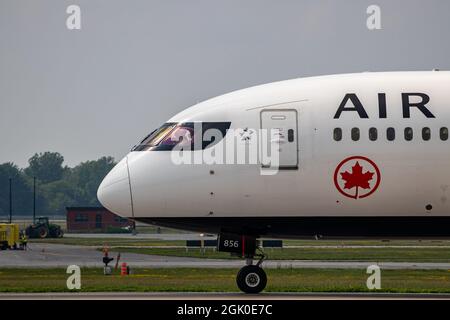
{"x": 341, "y": 254}
{"x": 100, "y": 241}
{"x": 366, "y": 242}
{"x": 155, "y": 229}
{"x": 223, "y": 280}
{"x": 110, "y": 242}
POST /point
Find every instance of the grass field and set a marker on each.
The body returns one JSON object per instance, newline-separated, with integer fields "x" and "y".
{"x": 342, "y": 254}
{"x": 223, "y": 280}
{"x": 100, "y": 241}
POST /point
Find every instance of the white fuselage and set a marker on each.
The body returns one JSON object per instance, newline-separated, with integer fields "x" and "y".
{"x": 413, "y": 178}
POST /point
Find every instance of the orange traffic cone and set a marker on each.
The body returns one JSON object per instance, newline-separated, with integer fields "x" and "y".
{"x": 123, "y": 269}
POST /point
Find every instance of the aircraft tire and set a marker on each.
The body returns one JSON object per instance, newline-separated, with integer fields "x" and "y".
{"x": 251, "y": 279}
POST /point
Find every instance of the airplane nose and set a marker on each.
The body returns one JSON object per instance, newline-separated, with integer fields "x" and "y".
{"x": 114, "y": 192}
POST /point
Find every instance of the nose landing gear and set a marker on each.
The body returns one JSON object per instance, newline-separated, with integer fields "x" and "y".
{"x": 251, "y": 278}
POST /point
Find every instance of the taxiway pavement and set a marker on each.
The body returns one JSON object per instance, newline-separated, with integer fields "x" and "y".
{"x": 44, "y": 255}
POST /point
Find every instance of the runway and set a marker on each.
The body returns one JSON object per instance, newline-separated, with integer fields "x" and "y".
{"x": 56, "y": 255}
{"x": 183, "y": 296}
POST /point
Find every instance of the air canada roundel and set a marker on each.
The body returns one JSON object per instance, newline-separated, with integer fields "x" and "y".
{"x": 357, "y": 177}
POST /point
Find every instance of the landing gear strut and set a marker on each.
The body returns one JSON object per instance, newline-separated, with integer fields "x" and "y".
{"x": 251, "y": 278}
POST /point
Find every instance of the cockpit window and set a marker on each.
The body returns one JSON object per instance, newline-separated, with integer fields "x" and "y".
{"x": 155, "y": 137}
{"x": 181, "y": 135}
{"x": 186, "y": 136}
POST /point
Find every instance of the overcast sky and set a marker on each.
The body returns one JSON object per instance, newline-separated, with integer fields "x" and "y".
{"x": 97, "y": 91}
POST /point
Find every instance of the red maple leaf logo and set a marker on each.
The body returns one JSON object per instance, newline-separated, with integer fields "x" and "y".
{"x": 357, "y": 178}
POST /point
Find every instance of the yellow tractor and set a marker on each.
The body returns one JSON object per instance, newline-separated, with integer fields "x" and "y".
{"x": 9, "y": 236}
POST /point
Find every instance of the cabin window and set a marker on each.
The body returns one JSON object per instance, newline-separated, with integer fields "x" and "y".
{"x": 426, "y": 134}
{"x": 337, "y": 134}
{"x": 408, "y": 133}
{"x": 443, "y": 133}
{"x": 373, "y": 134}
{"x": 390, "y": 134}
{"x": 355, "y": 134}
{"x": 183, "y": 136}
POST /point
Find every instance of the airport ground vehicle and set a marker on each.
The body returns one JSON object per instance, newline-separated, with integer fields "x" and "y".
{"x": 42, "y": 228}
{"x": 9, "y": 236}
{"x": 364, "y": 155}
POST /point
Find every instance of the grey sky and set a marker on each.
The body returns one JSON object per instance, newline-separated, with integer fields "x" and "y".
{"x": 97, "y": 91}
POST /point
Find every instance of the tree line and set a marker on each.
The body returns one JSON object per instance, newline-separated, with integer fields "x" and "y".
{"x": 57, "y": 186}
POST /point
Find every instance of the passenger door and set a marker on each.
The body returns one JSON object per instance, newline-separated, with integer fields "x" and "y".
{"x": 282, "y": 128}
